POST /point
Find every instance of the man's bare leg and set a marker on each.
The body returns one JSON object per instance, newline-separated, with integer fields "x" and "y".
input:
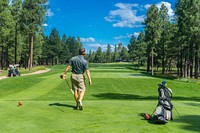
{"x": 80, "y": 99}
{"x": 76, "y": 97}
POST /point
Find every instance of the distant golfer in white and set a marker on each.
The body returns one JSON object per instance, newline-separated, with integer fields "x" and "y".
{"x": 79, "y": 66}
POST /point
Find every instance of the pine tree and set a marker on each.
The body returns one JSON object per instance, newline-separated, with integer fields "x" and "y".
{"x": 32, "y": 18}
{"x": 188, "y": 13}
{"x": 16, "y": 9}
{"x": 108, "y": 53}
{"x": 165, "y": 24}
{"x": 141, "y": 49}
{"x": 152, "y": 34}
{"x": 124, "y": 54}
{"x": 132, "y": 48}
{"x": 54, "y": 46}
{"x": 115, "y": 54}
{"x": 98, "y": 56}
{"x": 45, "y": 51}
{"x": 6, "y": 26}
{"x": 64, "y": 53}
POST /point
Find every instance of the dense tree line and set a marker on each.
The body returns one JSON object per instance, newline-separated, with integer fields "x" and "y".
{"x": 120, "y": 53}
{"x": 174, "y": 44}
{"x": 58, "y": 50}
{"x": 21, "y": 29}
{"x": 165, "y": 42}
{"x": 22, "y": 40}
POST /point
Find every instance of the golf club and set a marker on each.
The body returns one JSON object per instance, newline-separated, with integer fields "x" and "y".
{"x": 61, "y": 76}
{"x": 177, "y": 112}
{"x": 69, "y": 86}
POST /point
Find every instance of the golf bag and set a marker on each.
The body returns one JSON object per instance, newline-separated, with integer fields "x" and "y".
{"x": 163, "y": 111}
{"x": 13, "y": 72}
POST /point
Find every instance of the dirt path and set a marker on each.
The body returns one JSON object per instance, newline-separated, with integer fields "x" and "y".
{"x": 37, "y": 72}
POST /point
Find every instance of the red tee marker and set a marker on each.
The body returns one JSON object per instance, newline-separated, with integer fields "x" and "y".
{"x": 19, "y": 104}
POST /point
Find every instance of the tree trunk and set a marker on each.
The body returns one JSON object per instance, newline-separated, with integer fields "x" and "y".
{"x": 30, "y": 62}
{"x": 6, "y": 57}
{"x": 185, "y": 68}
{"x": 152, "y": 67}
{"x": 178, "y": 68}
{"x": 170, "y": 65}
{"x": 196, "y": 69}
{"x": 47, "y": 61}
{"x": 163, "y": 57}
{"x": 148, "y": 63}
{"x": 181, "y": 63}
{"x": 148, "y": 58}
{"x": 2, "y": 56}
{"x": 52, "y": 61}
{"x": 191, "y": 55}
{"x": 16, "y": 43}
{"x": 191, "y": 68}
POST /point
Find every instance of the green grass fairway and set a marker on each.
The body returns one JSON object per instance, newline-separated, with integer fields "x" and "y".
{"x": 112, "y": 104}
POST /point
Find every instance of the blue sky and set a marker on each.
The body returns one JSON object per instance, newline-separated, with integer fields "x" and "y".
{"x": 100, "y": 22}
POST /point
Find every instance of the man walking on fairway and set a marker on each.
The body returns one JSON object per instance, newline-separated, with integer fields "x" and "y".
{"x": 79, "y": 66}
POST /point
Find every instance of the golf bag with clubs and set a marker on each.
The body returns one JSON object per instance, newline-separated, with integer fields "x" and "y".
{"x": 163, "y": 111}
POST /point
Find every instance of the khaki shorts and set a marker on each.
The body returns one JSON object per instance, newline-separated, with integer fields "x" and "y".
{"x": 78, "y": 82}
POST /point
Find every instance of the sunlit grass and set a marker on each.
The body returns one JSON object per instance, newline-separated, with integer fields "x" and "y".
{"x": 112, "y": 104}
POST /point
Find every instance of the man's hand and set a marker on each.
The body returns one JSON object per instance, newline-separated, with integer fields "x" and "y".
{"x": 89, "y": 78}
{"x": 64, "y": 76}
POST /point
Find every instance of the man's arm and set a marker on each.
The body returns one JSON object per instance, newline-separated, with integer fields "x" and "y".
{"x": 89, "y": 77}
{"x": 66, "y": 70}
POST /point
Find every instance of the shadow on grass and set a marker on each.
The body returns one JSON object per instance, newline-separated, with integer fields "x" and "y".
{"x": 191, "y": 122}
{"x": 63, "y": 105}
{"x": 119, "y": 96}
{"x": 193, "y": 104}
{"x": 139, "y": 75}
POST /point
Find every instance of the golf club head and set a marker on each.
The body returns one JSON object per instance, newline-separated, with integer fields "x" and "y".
{"x": 61, "y": 76}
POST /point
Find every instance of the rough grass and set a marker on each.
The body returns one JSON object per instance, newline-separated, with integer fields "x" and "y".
{"x": 111, "y": 105}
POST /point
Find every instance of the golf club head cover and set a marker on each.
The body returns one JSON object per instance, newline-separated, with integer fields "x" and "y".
{"x": 146, "y": 116}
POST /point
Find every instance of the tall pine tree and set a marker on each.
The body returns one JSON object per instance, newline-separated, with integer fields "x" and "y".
{"x": 33, "y": 16}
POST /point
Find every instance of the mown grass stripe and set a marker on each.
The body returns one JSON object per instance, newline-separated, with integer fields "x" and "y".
{"x": 118, "y": 75}
{"x": 35, "y": 91}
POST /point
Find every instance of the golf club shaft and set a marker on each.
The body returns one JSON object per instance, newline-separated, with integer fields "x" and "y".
{"x": 69, "y": 86}
{"x": 177, "y": 112}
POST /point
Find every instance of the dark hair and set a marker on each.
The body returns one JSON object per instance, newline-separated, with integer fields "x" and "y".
{"x": 81, "y": 51}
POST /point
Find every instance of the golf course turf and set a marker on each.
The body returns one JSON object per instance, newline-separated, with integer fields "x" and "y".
{"x": 111, "y": 105}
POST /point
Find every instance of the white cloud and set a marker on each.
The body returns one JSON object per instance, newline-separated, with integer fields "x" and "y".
{"x": 120, "y": 37}
{"x": 136, "y": 34}
{"x": 49, "y": 13}
{"x": 47, "y": 3}
{"x": 45, "y": 24}
{"x": 123, "y": 36}
{"x": 167, "y": 4}
{"x": 125, "y": 16}
{"x": 90, "y": 39}
{"x": 126, "y": 36}
{"x": 169, "y": 7}
{"x": 147, "y": 6}
{"x": 103, "y": 46}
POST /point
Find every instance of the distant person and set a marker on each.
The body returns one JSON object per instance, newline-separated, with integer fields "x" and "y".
{"x": 79, "y": 66}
